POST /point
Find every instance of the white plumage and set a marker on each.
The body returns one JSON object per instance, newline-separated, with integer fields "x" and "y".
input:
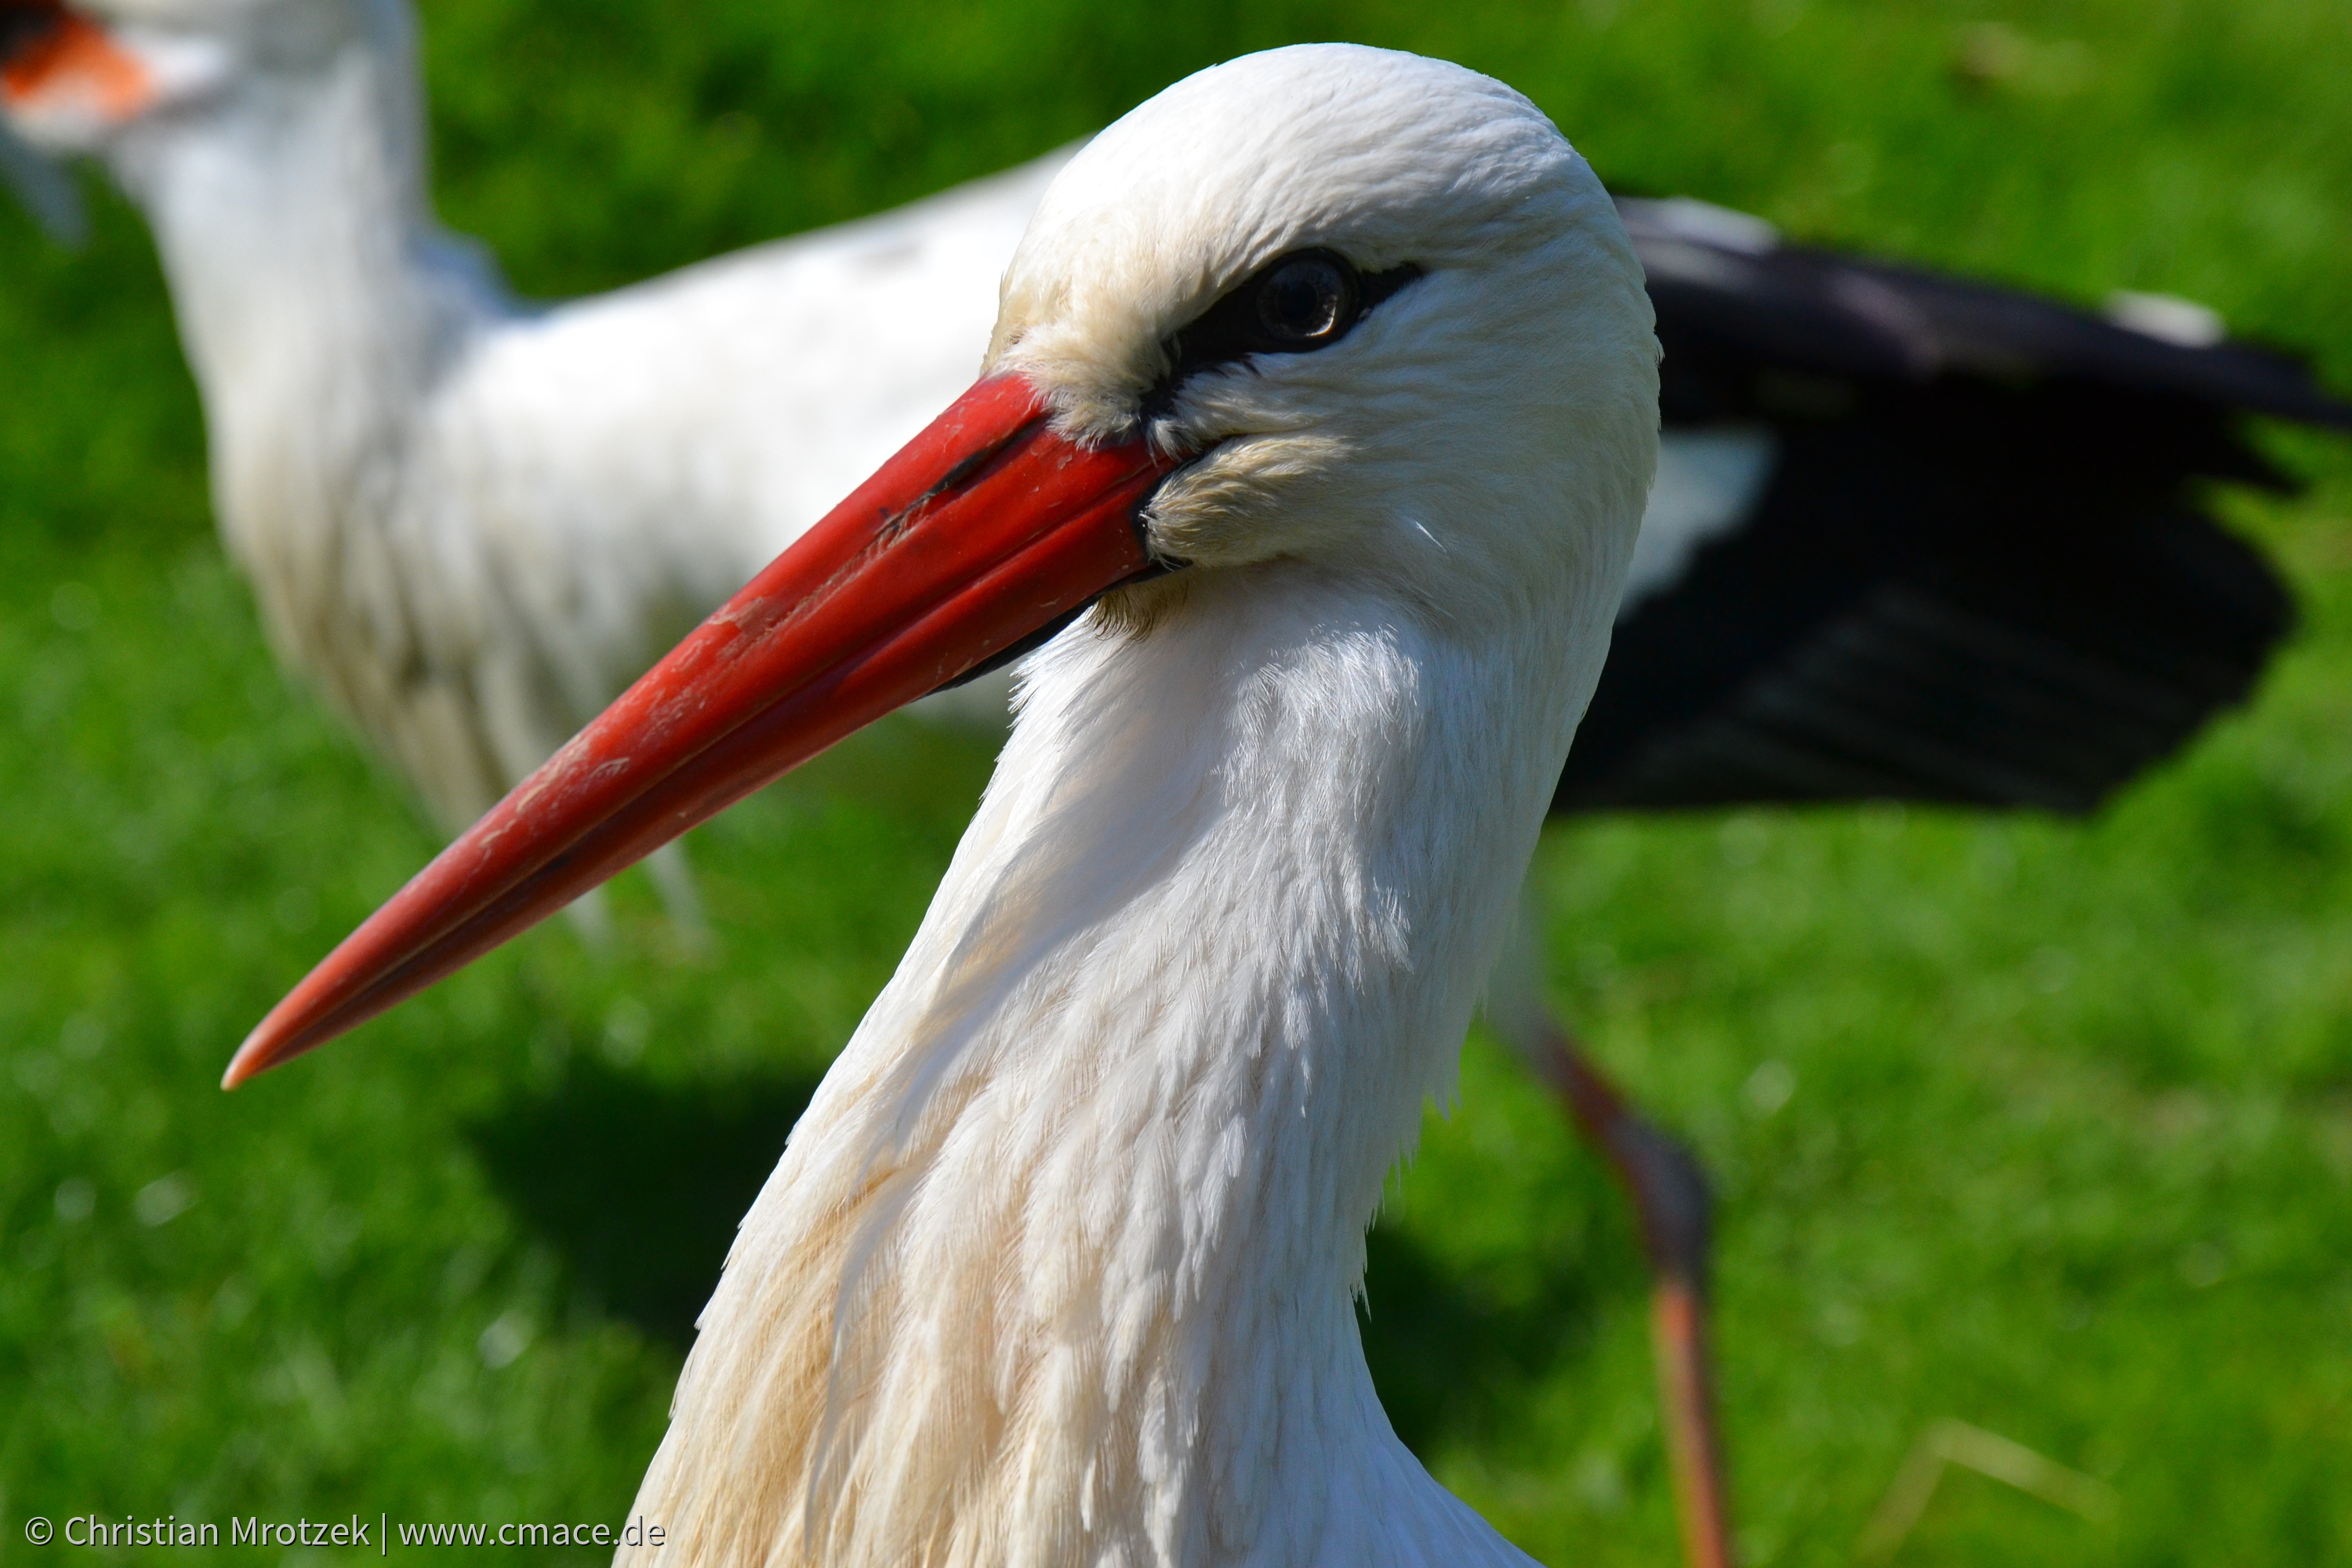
{"x": 1059, "y": 1265}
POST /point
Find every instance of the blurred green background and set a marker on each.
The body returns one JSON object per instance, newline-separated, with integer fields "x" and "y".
{"x": 2039, "y": 1126}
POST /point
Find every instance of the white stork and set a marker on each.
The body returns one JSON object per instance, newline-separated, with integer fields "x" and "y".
{"x": 470, "y": 522}
{"x": 1347, "y": 352}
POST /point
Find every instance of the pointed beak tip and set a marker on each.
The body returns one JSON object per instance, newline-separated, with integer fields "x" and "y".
{"x": 262, "y": 1049}
{"x": 985, "y": 530}
{"x": 241, "y": 1066}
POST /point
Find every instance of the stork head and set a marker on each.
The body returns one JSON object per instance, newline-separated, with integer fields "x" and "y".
{"x": 1326, "y": 305}
{"x": 1379, "y": 297}
{"x": 75, "y": 76}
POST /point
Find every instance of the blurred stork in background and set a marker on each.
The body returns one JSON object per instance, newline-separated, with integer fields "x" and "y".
{"x": 1912, "y": 537}
{"x": 468, "y": 522}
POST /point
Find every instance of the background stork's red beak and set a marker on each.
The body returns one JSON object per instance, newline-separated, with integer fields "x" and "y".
{"x": 51, "y": 58}
{"x": 986, "y": 528}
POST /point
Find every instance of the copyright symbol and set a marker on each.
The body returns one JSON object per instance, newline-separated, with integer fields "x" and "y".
{"x": 37, "y": 1532}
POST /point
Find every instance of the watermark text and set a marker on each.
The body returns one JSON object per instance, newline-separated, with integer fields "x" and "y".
{"x": 378, "y": 1535}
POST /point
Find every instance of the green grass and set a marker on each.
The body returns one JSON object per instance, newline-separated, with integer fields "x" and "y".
{"x": 2043, "y": 1127}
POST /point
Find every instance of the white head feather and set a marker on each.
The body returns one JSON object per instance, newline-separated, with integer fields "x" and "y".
{"x": 1058, "y": 1266}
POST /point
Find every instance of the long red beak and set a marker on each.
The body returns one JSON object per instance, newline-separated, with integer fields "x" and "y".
{"x": 985, "y": 530}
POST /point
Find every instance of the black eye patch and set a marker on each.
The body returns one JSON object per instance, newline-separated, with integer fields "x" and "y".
{"x": 1296, "y": 303}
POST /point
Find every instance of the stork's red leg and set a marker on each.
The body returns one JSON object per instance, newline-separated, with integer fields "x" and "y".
{"x": 1670, "y": 1199}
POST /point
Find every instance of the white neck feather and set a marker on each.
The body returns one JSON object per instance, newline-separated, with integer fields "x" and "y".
{"x": 318, "y": 302}
{"x": 1059, "y": 1266}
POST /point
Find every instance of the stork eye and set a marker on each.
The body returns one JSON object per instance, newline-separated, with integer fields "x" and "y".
{"x": 1296, "y": 303}
{"x": 1307, "y": 300}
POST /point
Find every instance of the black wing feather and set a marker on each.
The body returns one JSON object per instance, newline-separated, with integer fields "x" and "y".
{"x": 1980, "y": 572}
